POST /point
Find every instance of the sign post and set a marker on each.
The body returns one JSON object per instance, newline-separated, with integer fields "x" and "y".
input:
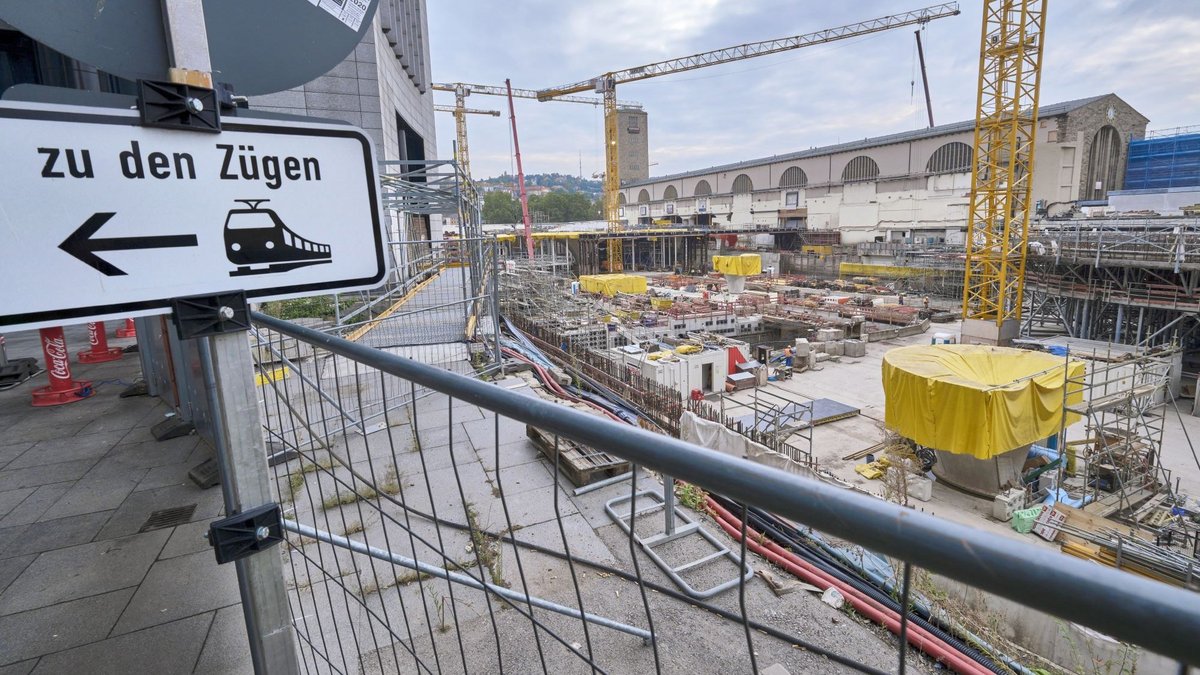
{"x": 228, "y": 372}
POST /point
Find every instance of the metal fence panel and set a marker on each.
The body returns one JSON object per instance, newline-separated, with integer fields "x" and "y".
{"x": 440, "y": 544}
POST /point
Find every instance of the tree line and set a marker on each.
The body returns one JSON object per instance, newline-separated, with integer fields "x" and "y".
{"x": 554, "y": 207}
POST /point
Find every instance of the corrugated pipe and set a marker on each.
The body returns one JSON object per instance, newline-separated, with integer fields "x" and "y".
{"x": 887, "y": 585}
{"x": 873, "y": 610}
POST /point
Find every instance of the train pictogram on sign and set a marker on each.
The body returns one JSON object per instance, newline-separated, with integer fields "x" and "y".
{"x": 259, "y": 242}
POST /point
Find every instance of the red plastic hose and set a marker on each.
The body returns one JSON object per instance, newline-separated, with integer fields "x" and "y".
{"x": 868, "y": 607}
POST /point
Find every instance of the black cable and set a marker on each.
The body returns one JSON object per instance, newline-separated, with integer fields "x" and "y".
{"x": 856, "y": 581}
{"x": 769, "y": 526}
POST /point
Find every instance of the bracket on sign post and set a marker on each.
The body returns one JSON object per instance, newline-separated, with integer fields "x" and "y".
{"x": 203, "y": 315}
{"x": 173, "y": 105}
{"x": 246, "y": 533}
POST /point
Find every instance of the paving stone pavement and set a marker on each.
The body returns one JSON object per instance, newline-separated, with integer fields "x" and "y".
{"x": 82, "y": 588}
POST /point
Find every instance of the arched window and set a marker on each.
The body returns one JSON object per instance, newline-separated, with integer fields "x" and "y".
{"x": 643, "y": 197}
{"x": 1103, "y": 169}
{"x": 794, "y": 177}
{"x": 703, "y": 189}
{"x": 860, "y": 168}
{"x": 742, "y": 184}
{"x": 621, "y": 198}
{"x": 953, "y": 157}
{"x": 670, "y": 193}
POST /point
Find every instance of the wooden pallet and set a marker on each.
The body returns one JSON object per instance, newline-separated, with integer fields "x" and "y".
{"x": 580, "y": 463}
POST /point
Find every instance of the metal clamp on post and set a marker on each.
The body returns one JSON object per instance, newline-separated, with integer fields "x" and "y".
{"x": 173, "y": 105}
{"x": 244, "y": 534}
{"x": 201, "y": 315}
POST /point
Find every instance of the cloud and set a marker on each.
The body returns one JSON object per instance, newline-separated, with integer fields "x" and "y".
{"x": 781, "y": 103}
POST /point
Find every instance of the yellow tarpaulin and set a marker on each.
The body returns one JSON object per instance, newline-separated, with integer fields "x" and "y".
{"x": 611, "y": 284}
{"x": 747, "y": 264}
{"x": 976, "y": 400}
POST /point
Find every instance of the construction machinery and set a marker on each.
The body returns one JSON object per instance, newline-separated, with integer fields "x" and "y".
{"x": 462, "y": 90}
{"x": 1010, "y": 63}
{"x": 461, "y": 154}
{"x": 606, "y": 84}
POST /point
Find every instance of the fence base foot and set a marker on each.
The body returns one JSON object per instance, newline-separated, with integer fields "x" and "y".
{"x": 44, "y": 397}
{"x": 92, "y": 356}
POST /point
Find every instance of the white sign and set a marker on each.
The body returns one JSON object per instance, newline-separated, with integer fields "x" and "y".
{"x": 349, "y": 12}
{"x": 103, "y": 218}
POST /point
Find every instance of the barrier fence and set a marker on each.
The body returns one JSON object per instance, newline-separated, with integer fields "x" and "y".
{"x": 442, "y": 543}
{"x": 432, "y": 312}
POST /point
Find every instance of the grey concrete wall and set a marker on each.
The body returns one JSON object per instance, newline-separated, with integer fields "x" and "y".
{"x": 633, "y": 144}
{"x": 404, "y": 76}
{"x": 374, "y": 83}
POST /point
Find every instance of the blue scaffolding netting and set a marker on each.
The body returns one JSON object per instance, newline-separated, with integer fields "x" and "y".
{"x": 1166, "y": 162}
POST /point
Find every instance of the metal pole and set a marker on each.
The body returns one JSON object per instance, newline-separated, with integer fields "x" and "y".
{"x": 512, "y": 114}
{"x": 591, "y": 487}
{"x": 245, "y": 482}
{"x": 455, "y": 577}
{"x": 496, "y": 303}
{"x": 228, "y": 372}
{"x": 924, "y": 80}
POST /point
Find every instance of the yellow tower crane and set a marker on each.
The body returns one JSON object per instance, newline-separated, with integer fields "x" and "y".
{"x": 1010, "y": 66}
{"x": 462, "y": 90}
{"x": 606, "y": 85}
{"x": 461, "y": 155}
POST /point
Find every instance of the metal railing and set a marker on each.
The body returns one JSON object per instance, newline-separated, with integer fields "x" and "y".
{"x": 401, "y": 542}
{"x": 1168, "y": 243}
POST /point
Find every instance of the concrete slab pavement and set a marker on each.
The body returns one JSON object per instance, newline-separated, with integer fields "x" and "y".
{"x": 82, "y": 587}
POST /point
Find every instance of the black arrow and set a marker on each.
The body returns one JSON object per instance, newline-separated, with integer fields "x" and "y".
{"x": 81, "y": 245}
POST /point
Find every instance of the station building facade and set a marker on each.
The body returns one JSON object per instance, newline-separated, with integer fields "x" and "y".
{"x": 907, "y": 187}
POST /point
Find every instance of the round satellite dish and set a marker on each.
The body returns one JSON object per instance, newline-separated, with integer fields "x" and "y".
{"x": 257, "y": 47}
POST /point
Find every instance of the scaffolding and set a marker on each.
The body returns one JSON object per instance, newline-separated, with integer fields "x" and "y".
{"x": 1130, "y": 281}
{"x": 782, "y": 424}
{"x": 1116, "y": 467}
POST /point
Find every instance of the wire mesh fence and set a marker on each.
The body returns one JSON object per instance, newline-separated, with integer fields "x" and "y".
{"x": 452, "y": 540}
{"x": 443, "y": 298}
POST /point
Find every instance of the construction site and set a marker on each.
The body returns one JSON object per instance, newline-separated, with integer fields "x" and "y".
{"x": 924, "y": 401}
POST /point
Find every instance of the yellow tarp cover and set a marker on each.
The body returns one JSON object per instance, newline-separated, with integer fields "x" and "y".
{"x": 974, "y": 399}
{"x": 747, "y": 264}
{"x": 611, "y": 284}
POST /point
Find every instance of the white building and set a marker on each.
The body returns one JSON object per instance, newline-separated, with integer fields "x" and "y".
{"x": 907, "y": 186}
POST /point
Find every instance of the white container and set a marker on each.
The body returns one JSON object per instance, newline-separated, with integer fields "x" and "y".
{"x": 920, "y": 488}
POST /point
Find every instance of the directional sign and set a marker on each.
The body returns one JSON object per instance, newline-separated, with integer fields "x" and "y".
{"x": 103, "y": 218}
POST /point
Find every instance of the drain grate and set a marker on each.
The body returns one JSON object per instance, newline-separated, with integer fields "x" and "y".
{"x": 168, "y": 518}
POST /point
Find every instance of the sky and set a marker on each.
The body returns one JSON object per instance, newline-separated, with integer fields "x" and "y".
{"x": 1145, "y": 51}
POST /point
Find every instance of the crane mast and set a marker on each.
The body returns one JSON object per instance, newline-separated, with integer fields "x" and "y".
{"x": 462, "y": 90}
{"x": 460, "y": 112}
{"x": 1010, "y": 60}
{"x": 606, "y": 85}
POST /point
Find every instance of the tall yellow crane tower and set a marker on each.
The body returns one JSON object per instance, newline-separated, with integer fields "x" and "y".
{"x": 606, "y": 85}
{"x": 1010, "y": 66}
{"x": 462, "y": 90}
{"x": 461, "y": 155}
